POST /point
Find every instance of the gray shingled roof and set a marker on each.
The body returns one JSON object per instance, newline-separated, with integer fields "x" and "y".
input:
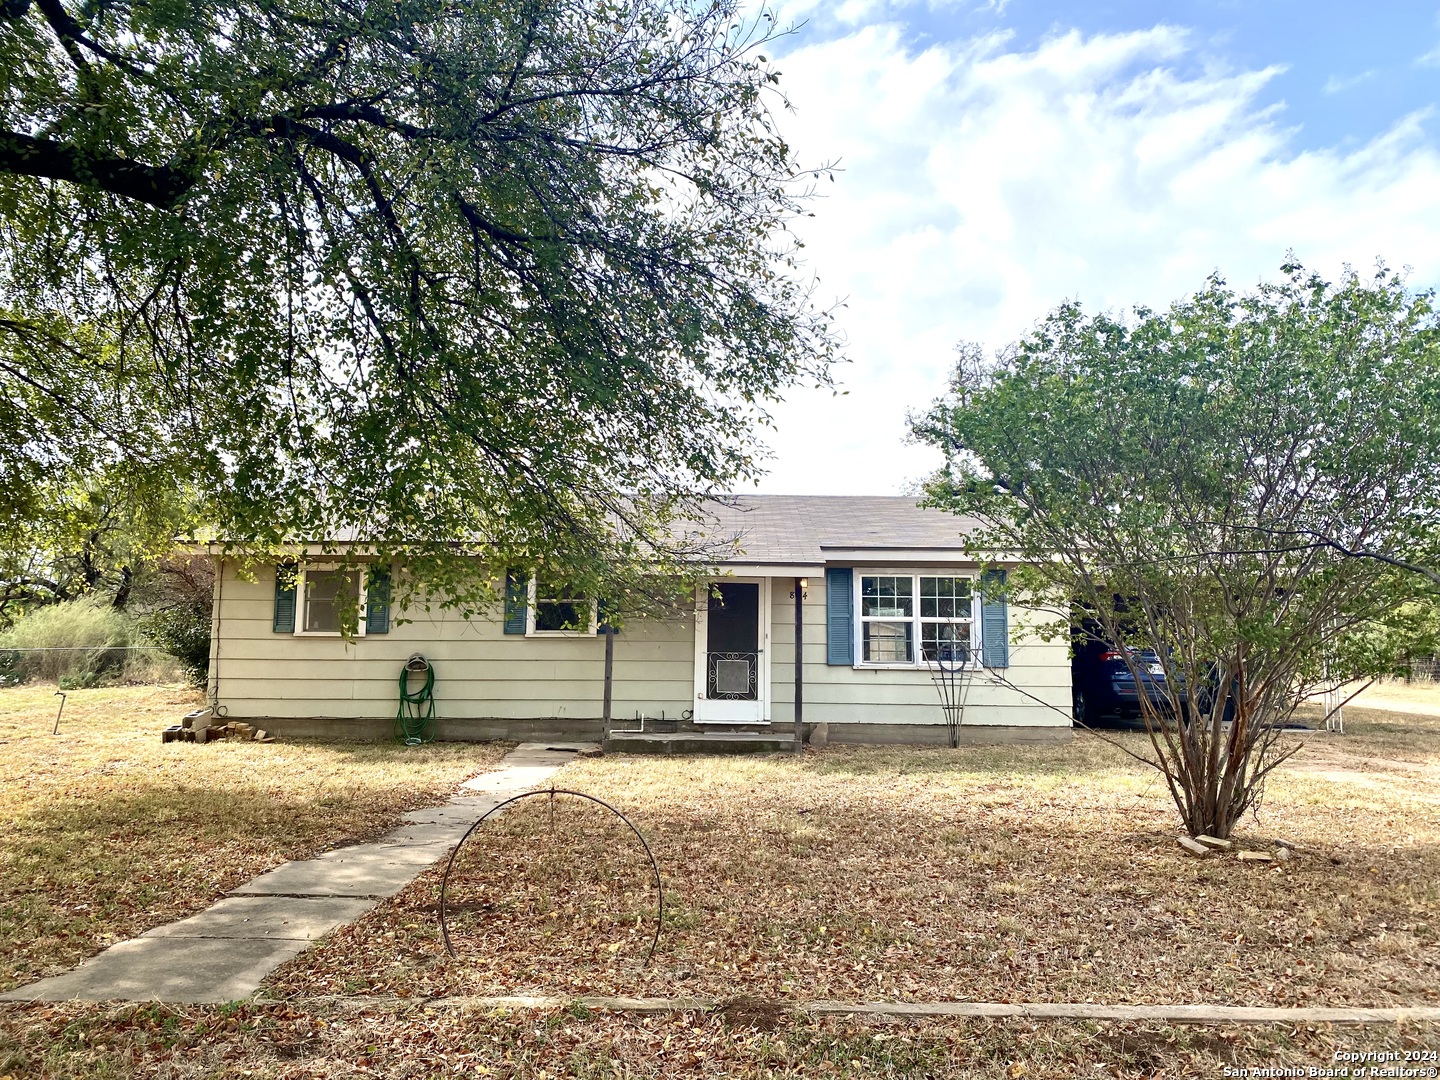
{"x": 799, "y": 528}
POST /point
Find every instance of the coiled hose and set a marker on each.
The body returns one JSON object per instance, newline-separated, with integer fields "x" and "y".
{"x": 415, "y": 719}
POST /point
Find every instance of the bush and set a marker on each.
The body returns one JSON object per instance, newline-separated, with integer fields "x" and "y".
{"x": 184, "y": 632}
{"x": 12, "y": 670}
{"x": 91, "y": 644}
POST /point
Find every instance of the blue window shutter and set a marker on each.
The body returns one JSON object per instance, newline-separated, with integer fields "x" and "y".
{"x": 605, "y": 612}
{"x": 839, "y": 615}
{"x": 377, "y": 602}
{"x": 994, "y": 620}
{"x": 285, "y": 598}
{"x": 517, "y": 599}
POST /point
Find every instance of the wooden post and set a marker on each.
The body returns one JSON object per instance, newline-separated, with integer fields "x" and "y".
{"x": 799, "y": 666}
{"x": 217, "y": 591}
{"x": 609, "y": 683}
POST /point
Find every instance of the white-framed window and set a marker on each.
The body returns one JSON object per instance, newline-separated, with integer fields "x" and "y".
{"x": 947, "y": 618}
{"x": 323, "y": 595}
{"x": 557, "y": 610}
{"x": 913, "y": 619}
{"x": 887, "y": 619}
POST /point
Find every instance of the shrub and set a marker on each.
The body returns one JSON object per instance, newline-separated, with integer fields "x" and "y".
{"x": 12, "y": 670}
{"x": 184, "y": 632}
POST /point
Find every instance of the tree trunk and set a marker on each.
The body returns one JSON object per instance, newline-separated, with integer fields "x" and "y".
{"x": 122, "y": 591}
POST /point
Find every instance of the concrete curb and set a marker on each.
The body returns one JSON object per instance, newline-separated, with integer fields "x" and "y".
{"x": 965, "y": 1010}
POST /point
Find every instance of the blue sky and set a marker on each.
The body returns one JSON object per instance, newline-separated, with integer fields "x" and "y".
{"x": 997, "y": 158}
{"x": 1350, "y": 69}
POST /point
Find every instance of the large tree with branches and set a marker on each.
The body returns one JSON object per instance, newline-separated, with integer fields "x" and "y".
{"x": 411, "y": 272}
{"x": 1249, "y": 485}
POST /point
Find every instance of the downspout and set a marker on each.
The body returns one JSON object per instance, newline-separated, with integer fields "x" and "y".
{"x": 799, "y": 595}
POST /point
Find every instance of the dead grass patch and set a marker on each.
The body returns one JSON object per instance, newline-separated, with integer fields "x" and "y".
{"x": 1011, "y": 874}
{"x": 750, "y": 1040}
{"x": 106, "y": 832}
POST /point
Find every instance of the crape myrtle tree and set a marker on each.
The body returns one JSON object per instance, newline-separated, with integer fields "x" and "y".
{"x": 1246, "y": 484}
{"x": 482, "y": 284}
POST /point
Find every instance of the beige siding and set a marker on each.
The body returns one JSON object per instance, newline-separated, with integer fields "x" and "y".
{"x": 483, "y": 673}
{"x": 480, "y": 671}
{"x": 840, "y": 695}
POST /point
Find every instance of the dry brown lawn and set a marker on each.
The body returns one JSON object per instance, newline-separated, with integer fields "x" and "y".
{"x": 1009, "y": 874}
{"x": 1397, "y": 696}
{"x": 411, "y": 1041}
{"x": 985, "y": 873}
{"x": 106, "y": 832}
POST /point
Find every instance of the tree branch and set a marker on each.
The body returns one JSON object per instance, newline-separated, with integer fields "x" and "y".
{"x": 158, "y": 186}
{"x": 488, "y": 227}
{"x": 1323, "y": 541}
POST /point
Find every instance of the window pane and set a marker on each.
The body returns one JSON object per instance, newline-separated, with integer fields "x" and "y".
{"x": 559, "y": 606}
{"x": 944, "y": 598}
{"x": 887, "y": 597}
{"x": 562, "y": 615}
{"x": 324, "y": 591}
{"x": 887, "y": 642}
{"x": 945, "y": 641}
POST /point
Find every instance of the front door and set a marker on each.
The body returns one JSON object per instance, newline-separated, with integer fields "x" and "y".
{"x": 732, "y": 684}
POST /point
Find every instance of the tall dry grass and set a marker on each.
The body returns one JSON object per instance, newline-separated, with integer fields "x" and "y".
{"x": 83, "y": 643}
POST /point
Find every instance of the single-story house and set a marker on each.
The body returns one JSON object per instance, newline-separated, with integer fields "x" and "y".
{"x": 885, "y": 587}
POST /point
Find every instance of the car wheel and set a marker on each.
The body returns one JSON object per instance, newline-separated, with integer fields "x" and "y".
{"x": 1080, "y": 709}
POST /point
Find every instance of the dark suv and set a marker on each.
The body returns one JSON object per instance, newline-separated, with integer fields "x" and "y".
{"x": 1103, "y": 684}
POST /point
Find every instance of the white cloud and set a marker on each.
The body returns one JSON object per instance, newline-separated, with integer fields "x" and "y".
{"x": 981, "y": 185}
{"x": 1430, "y": 59}
{"x": 1338, "y": 84}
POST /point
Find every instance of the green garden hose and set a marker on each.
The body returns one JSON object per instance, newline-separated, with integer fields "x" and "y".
{"x": 415, "y": 719}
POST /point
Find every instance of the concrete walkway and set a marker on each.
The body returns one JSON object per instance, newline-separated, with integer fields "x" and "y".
{"x": 225, "y": 951}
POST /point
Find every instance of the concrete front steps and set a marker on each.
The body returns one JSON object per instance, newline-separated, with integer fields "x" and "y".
{"x": 699, "y": 742}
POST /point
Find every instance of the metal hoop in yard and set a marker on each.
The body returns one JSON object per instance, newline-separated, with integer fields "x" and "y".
{"x": 951, "y": 658}
{"x": 552, "y": 792}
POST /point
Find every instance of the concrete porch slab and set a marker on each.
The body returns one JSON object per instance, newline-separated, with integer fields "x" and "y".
{"x": 699, "y": 742}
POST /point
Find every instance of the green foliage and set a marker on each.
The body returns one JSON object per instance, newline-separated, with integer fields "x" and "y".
{"x": 1383, "y": 648}
{"x": 102, "y": 535}
{"x": 12, "y": 668}
{"x": 177, "y": 610}
{"x": 184, "y": 632}
{"x": 509, "y": 274}
{"x": 1245, "y": 483}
